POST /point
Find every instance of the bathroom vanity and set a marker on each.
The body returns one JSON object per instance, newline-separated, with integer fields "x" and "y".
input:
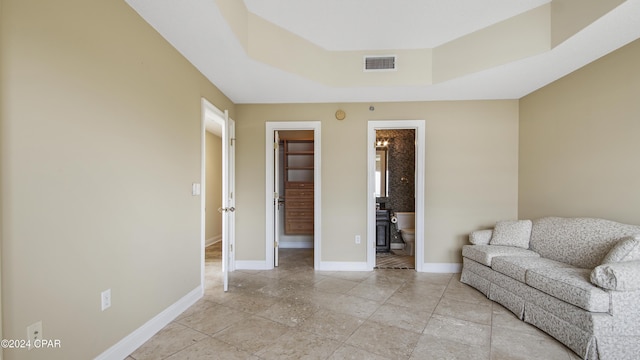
{"x": 383, "y": 230}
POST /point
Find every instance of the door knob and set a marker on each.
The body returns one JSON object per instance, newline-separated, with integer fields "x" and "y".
{"x": 230, "y": 209}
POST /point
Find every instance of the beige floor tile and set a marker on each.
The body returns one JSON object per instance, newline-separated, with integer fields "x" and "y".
{"x": 478, "y": 313}
{"x": 335, "y": 285}
{"x": 249, "y": 301}
{"x": 290, "y": 313}
{"x": 394, "y": 276}
{"x": 213, "y": 319}
{"x": 462, "y": 292}
{"x": 456, "y": 330}
{"x": 377, "y": 291}
{"x": 514, "y": 345}
{"x": 422, "y": 288}
{"x": 431, "y": 347}
{"x": 384, "y": 340}
{"x": 348, "y": 352}
{"x": 382, "y": 314}
{"x": 212, "y": 349}
{"x": 331, "y": 324}
{"x": 349, "y": 275}
{"x": 252, "y": 334}
{"x": 171, "y": 339}
{"x": 414, "y": 300}
{"x": 347, "y": 304}
{"x": 298, "y": 344}
{"x": 402, "y": 317}
{"x": 197, "y": 308}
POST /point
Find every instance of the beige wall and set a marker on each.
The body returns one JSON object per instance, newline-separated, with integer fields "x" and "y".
{"x": 471, "y": 172}
{"x": 100, "y": 144}
{"x": 213, "y": 175}
{"x": 579, "y": 142}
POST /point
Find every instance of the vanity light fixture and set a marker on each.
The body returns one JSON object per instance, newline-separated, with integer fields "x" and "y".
{"x": 382, "y": 142}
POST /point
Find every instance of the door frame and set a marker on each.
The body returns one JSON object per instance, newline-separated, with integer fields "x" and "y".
{"x": 209, "y": 113}
{"x": 271, "y": 127}
{"x": 419, "y": 126}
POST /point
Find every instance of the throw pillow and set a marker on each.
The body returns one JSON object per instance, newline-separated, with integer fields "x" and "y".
{"x": 620, "y": 276}
{"x": 480, "y": 237}
{"x": 626, "y": 249}
{"x": 512, "y": 233}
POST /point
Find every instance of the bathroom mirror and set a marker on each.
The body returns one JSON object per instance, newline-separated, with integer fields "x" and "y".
{"x": 382, "y": 174}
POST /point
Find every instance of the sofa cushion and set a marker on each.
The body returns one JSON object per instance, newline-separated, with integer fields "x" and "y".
{"x": 484, "y": 253}
{"x": 516, "y": 266}
{"x": 512, "y": 233}
{"x": 581, "y": 242}
{"x": 480, "y": 237}
{"x": 626, "y": 249}
{"x": 619, "y": 276}
{"x": 571, "y": 285}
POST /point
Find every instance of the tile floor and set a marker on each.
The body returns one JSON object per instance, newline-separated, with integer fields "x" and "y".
{"x": 293, "y": 312}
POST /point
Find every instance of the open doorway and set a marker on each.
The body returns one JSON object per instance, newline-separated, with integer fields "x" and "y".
{"x": 217, "y": 214}
{"x": 395, "y": 209}
{"x": 293, "y": 193}
{"x": 395, "y": 198}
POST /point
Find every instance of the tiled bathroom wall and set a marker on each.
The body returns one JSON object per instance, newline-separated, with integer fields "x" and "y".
{"x": 401, "y": 166}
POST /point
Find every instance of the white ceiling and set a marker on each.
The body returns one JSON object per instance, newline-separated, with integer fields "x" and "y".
{"x": 197, "y": 29}
{"x": 386, "y": 24}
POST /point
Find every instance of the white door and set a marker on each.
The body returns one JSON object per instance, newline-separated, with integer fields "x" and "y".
{"x": 228, "y": 195}
{"x": 277, "y": 201}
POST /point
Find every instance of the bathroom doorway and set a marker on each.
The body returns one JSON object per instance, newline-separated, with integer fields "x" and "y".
{"x": 395, "y": 198}
{"x": 396, "y": 182}
{"x": 293, "y": 193}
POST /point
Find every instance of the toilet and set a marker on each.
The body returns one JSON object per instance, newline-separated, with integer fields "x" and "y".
{"x": 406, "y": 225}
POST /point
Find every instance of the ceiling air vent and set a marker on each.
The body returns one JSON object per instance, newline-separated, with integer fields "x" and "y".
{"x": 377, "y": 63}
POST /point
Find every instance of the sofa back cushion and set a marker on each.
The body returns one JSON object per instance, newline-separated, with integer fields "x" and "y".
{"x": 581, "y": 242}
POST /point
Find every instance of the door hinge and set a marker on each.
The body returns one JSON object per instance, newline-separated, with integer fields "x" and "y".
{"x": 275, "y": 145}
{"x": 231, "y": 247}
{"x": 276, "y": 195}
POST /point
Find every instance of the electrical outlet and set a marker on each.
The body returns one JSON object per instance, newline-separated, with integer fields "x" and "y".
{"x": 105, "y": 297}
{"x": 34, "y": 332}
{"x": 357, "y": 239}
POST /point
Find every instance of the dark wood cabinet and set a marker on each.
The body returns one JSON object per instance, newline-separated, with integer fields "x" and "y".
{"x": 383, "y": 227}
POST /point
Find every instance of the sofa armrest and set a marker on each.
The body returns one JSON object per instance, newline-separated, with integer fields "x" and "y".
{"x": 480, "y": 237}
{"x": 620, "y": 276}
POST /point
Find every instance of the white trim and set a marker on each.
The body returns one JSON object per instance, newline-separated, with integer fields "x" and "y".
{"x": 296, "y": 244}
{"x": 252, "y": 265}
{"x": 131, "y": 342}
{"x": 342, "y": 266}
{"x": 272, "y": 126}
{"x": 442, "y": 267}
{"x": 213, "y": 240}
{"x": 419, "y": 126}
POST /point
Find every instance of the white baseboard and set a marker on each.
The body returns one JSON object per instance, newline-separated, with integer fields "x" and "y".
{"x": 296, "y": 244}
{"x": 441, "y": 267}
{"x": 251, "y": 265}
{"x": 131, "y": 342}
{"x": 213, "y": 240}
{"x": 342, "y": 266}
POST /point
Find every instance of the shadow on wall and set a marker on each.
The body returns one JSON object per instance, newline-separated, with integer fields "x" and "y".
{"x": 401, "y": 165}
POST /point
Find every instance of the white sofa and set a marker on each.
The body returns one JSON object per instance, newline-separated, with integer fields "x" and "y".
{"x": 577, "y": 279}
